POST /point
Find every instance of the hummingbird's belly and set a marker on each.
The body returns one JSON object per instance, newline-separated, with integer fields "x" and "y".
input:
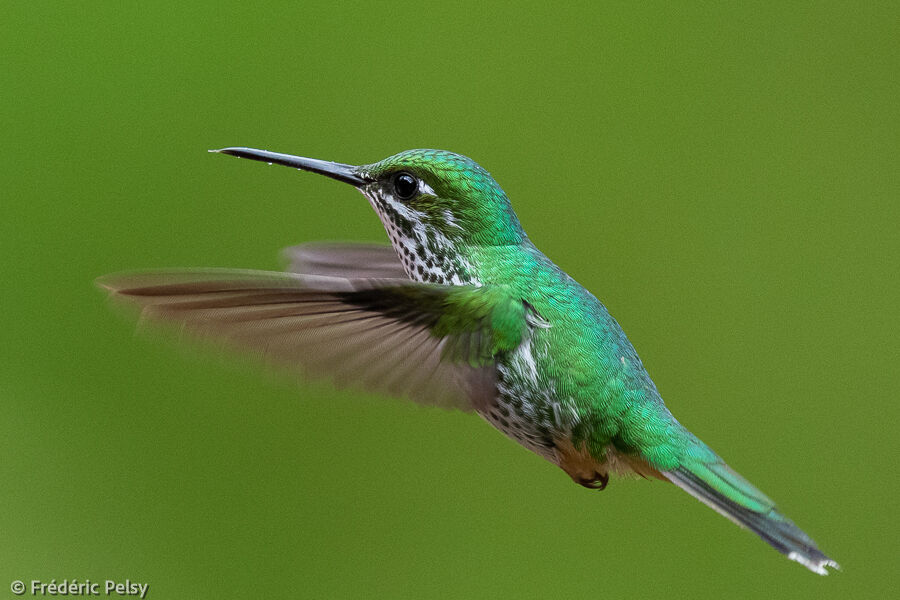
{"x": 527, "y": 408}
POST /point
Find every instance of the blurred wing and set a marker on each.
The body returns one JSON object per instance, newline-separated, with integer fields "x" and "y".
{"x": 347, "y": 260}
{"x": 433, "y": 344}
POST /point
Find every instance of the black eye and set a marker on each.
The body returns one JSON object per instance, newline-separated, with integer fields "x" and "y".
{"x": 405, "y": 186}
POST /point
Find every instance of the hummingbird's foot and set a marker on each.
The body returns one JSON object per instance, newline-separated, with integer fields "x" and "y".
{"x": 598, "y": 482}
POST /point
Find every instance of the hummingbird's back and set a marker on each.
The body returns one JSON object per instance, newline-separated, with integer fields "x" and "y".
{"x": 577, "y": 377}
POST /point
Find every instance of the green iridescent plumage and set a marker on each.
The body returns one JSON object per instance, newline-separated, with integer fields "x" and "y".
{"x": 464, "y": 311}
{"x": 482, "y": 212}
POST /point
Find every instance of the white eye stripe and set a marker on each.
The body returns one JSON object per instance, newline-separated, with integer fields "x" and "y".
{"x": 408, "y": 213}
{"x": 424, "y": 188}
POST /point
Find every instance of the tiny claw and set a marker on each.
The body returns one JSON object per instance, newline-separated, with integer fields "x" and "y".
{"x": 598, "y": 482}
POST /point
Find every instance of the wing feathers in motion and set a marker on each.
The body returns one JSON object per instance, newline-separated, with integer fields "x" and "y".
{"x": 433, "y": 344}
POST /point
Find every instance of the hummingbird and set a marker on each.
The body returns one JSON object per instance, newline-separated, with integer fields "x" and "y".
{"x": 461, "y": 311}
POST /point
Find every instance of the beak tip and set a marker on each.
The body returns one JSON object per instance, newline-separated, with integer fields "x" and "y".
{"x": 341, "y": 172}
{"x": 231, "y": 151}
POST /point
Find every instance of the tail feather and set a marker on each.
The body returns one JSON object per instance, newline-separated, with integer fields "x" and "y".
{"x": 729, "y": 494}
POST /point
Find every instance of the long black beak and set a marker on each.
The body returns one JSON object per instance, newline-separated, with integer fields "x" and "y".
{"x": 346, "y": 173}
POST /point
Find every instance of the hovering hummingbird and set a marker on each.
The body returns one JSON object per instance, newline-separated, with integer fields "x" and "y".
{"x": 462, "y": 311}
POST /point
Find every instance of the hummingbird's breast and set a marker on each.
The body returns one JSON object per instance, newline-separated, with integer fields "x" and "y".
{"x": 526, "y": 407}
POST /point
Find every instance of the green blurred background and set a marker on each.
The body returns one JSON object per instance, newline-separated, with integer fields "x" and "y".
{"x": 724, "y": 178}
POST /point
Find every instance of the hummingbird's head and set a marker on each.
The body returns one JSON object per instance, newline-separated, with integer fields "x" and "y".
{"x": 432, "y": 194}
{"x": 442, "y": 194}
